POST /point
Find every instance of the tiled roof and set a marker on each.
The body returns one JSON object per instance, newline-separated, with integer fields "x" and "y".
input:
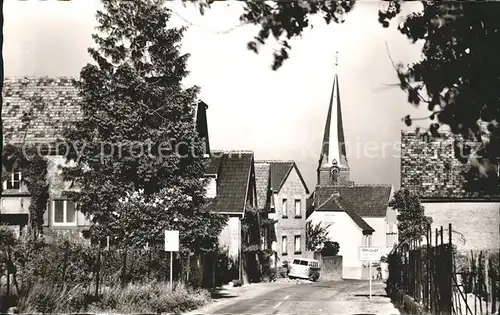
{"x": 262, "y": 176}
{"x": 233, "y": 180}
{"x": 51, "y": 103}
{"x": 337, "y": 203}
{"x": 279, "y": 170}
{"x": 348, "y": 208}
{"x": 431, "y": 170}
{"x": 364, "y": 200}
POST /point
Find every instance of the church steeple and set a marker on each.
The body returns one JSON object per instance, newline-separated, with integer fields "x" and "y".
{"x": 333, "y": 168}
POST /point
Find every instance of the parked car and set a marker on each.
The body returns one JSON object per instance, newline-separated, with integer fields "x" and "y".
{"x": 304, "y": 268}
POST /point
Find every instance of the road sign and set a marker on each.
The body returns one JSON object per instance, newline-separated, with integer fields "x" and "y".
{"x": 171, "y": 241}
{"x": 171, "y": 245}
{"x": 370, "y": 253}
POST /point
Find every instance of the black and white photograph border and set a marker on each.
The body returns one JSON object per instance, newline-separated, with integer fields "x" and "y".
{"x": 249, "y": 157}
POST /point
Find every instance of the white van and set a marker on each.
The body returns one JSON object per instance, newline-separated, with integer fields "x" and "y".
{"x": 304, "y": 268}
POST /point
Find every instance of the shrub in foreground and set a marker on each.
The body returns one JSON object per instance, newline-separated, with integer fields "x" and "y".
{"x": 138, "y": 298}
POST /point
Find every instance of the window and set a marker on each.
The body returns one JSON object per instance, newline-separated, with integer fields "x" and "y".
{"x": 64, "y": 212}
{"x": 284, "y": 209}
{"x": 14, "y": 182}
{"x": 297, "y": 244}
{"x": 297, "y": 208}
{"x": 283, "y": 245}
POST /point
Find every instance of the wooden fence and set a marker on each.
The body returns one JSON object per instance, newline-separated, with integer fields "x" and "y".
{"x": 427, "y": 273}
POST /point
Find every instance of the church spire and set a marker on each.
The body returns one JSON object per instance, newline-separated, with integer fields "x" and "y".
{"x": 333, "y": 151}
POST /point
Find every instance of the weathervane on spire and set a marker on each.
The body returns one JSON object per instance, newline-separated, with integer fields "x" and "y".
{"x": 337, "y": 58}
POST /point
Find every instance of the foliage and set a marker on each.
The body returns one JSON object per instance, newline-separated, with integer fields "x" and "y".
{"x": 330, "y": 249}
{"x": 412, "y": 222}
{"x": 137, "y": 131}
{"x": 33, "y": 168}
{"x": 140, "y": 220}
{"x": 143, "y": 298}
{"x": 62, "y": 272}
{"x": 316, "y": 236}
{"x": 254, "y": 225}
{"x": 456, "y": 78}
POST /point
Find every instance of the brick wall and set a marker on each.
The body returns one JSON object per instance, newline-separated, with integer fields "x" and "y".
{"x": 292, "y": 189}
{"x": 430, "y": 169}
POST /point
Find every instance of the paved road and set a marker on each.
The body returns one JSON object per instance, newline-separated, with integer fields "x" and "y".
{"x": 345, "y": 297}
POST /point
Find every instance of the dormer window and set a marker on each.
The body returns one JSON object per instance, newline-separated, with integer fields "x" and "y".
{"x": 212, "y": 186}
{"x": 14, "y": 182}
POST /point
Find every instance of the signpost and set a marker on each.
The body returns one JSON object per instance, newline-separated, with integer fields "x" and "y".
{"x": 369, "y": 254}
{"x": 171, "y": 245}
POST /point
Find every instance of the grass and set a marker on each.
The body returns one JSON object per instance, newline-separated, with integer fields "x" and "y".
{"x": 134, "y": 298}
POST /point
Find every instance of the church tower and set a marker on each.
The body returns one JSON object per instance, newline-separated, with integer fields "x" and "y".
{"x": 333, "y": 168}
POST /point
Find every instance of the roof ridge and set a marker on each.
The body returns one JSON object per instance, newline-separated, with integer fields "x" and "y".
{"x": 414, "y": 133}
{"x": 356, "y": 185}
{"x": 233, "y": 151}
{"x": 33, "y": 77}
{"x": 274, "y": 161}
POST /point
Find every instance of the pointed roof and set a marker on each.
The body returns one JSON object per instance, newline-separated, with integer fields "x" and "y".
{"x": 333, "y": 139}
{"x": 202, "y": 125}
{"x": 365, "y": 200}
{"x": 279, "y": 171}
{"x": 234, "y": 169}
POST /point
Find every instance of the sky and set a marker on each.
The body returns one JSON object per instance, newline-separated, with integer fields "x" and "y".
{"x": 277, "y": 114}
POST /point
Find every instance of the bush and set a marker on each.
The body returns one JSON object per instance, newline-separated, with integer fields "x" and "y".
{"x": 157, "y": 298}
{"x": 154, "y": 298}
{"x": 49, "y": 298}
{"x": 60, "y": 277}
{"x": 330, "y": 249}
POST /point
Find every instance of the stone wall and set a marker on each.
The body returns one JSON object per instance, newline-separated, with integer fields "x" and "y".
{"x": 331, "y": 268}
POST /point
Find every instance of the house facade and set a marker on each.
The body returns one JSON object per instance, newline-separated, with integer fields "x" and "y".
{"x": 283, "y": 190}
{"x": 49, "y": 103}
{"x": 356, "y": 215}
{"x": 231, "y": 190}
{"x": 430, "y": 169}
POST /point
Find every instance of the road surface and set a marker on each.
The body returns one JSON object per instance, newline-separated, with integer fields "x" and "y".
{"x": 344, "y": 297}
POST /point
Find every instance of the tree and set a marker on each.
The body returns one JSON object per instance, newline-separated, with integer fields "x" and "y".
{"x": 137, "y": 129}
{"x": 330, "y": 249}
{"x": 316, "y": 235}
{"x": 456, "y": 79}
{"x": 139, "y": 221}
{"x": 412, "y": 222}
